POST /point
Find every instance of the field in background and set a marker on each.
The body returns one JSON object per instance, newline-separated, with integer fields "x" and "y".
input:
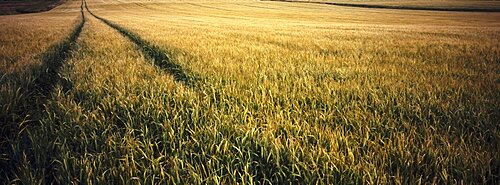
{"x": 9, "y": 7}
{"x": 250, "y": 91}
{"x": 428, "y": 5}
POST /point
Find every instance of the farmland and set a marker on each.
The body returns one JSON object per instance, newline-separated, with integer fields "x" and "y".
{"x": 227, "y": 92}
{"x": 8, "y": 7}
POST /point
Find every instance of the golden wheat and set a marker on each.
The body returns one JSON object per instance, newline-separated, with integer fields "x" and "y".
{"x": 269, "y": 92}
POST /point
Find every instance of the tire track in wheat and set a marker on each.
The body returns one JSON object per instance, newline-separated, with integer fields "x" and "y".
{"x": 155, "y": 53}
{"x": 57, "y": 55}
{"x": 46, "y": 77}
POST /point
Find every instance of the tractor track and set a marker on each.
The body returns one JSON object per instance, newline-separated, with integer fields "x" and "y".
{"x": 160, "y": 59}
{"x": 46, "y": 77}
{"x": 209, "y": 7}
{"x": 254, "y": 6}
{"x": 156, "y": 54}
{"x": 52, "y": 61}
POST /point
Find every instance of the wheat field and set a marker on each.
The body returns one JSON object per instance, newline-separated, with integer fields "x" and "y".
{"x": 249, "y": 92}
